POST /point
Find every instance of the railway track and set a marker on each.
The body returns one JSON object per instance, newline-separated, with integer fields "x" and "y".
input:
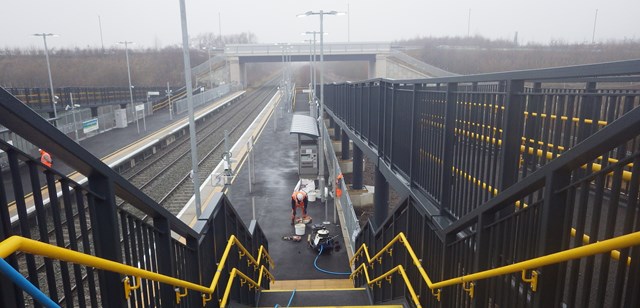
{"x": 165, "y": 178}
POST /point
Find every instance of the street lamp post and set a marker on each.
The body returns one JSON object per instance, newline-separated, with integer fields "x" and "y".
{"x": 46, "y": 53}
{"x": 192, "y": 125}
{"x": 133, "y": 108}
{"x": 314, "y": 60}
{"x": 321, "y": 117}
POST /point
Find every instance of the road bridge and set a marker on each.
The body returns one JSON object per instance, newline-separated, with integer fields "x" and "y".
{"x": 384, "y": 60}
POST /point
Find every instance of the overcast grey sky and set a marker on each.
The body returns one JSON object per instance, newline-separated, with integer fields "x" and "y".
{"x": 151, "y": 22}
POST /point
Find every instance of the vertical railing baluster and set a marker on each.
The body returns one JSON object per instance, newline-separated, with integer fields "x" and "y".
{"x": 10, "y": 296}
{"x": 86, "y": 246}
{"x": 41, "y": 215}
{"x": 21, "y": 208}
{"x": 73, "y": 244}
{"x": 164, "y": 247}
{"x": 54, "y": 205}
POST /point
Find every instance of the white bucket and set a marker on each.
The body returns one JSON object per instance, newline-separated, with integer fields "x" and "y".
{"x": 300, "y": 229}
{"x": 312, "y": 196}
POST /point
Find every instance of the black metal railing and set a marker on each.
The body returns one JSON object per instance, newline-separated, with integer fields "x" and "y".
{"x": 85, "y": 218}
{"x": 39, "y": 99}
{"x": 505, "y": 167}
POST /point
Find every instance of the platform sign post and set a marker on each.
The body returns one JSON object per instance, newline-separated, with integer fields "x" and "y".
{"x": 168, "y": 92}
{"x": 140, "y": 108}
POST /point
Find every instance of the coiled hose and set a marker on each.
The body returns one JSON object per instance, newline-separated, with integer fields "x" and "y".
{"x": 315, "y": 263}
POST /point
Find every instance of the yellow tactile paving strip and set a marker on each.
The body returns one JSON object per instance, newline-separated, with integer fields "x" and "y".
{"x": 312, "y": 284}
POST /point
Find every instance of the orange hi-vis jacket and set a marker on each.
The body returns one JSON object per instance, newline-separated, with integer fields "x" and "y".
{"x": 294, "y": 197}
{"x": 45, "y": 158}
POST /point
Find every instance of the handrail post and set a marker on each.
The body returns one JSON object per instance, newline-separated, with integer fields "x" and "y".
{"x": 553, "y": 224}
{"x": 194, "y": 271}
{"x": 164, "y": 251}
{"x": 512, "y": 129}
{"x": 447, "y": 148}
{"x": 106, "y": 237}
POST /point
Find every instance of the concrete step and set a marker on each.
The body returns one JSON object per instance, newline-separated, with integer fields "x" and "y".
{"x": 353, "y": 297}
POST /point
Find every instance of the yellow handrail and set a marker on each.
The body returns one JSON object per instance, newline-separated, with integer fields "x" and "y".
{"x": 620, "y": 242}
{"x": 18, "y": 243}
{"x": 243, "y": 279}
{"x": 233, "y": 240}
{"x": 387, "y": 276}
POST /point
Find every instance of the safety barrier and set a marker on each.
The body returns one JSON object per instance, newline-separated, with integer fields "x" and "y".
{"x": 17, "y": 243}
{"x": 39, "y": 99}
{"x": 86, "y": 219}
{"x": 504, "y": 168}
{"x": 351, "y": 221}
{"x": 468, "y": 281}
{"x": 181, "y": 106}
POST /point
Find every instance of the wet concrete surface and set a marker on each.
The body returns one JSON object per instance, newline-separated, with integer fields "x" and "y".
{"x": 276, "y": 172}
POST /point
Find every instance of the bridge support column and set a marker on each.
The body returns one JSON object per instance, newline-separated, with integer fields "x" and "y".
{"x": 372, "y": 70}
{"x": 357, "y": 168}
{"x": 381, "y": 199}
{"x": 236, "y": 71}
{"x": 379, "y": 67}
{"x": 345, "y": 146}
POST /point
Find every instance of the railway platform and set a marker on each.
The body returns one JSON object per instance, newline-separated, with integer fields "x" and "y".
{"x": 268, "y": 201}
{"x": 123, "y": 146}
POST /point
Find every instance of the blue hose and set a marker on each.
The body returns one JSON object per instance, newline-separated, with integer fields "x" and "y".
{"x": 315, "y": 263}
{"x": 291, "y": 298}
{"x": 25, "y": 284}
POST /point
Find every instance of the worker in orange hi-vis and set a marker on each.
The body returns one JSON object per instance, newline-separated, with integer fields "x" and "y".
{"x": 339, "y": 180}
{"x": 45, "y": 158}
{"x": 299, "y": 199}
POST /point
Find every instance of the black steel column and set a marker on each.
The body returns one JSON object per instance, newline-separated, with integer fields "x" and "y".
{"x": 512, "y": 134}
{"x": 381, "y": 199}
{"x": 106, "y": 237}
{"x": 345, "y": 146}
{"x": 357, "y": 168}
{"x": 553, "y": 224}
{"x": 447, "y": 149}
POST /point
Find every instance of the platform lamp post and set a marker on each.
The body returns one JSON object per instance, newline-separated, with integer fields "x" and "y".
{"x": 192, "y": 125}
{"x": 46, "y": 54}
{"x": 310, "y": 69}
{"x": 133, "y": 108}
{"x": 321, "y": 13}
{"x": 314, "y": 58}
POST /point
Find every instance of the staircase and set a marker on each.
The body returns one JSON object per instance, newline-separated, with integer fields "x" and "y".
{"x": 316, "y": 293}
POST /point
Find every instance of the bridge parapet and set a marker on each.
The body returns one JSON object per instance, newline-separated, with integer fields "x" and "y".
{"x": 238, "y": 50}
